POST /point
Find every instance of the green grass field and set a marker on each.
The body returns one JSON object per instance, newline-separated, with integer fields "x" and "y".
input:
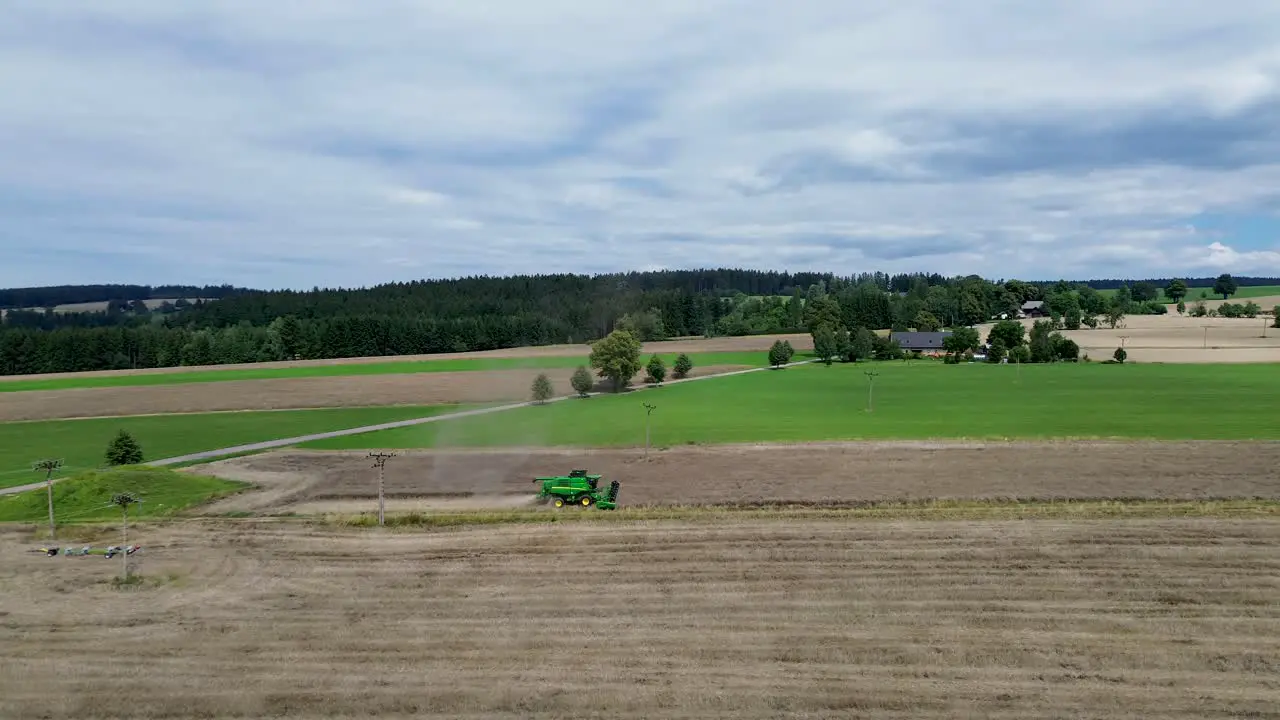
{"x": 82, "y": 443}
{"x": 1193, "y": 294}
{"x": 87, "y": 497}
{"x": 381, "y": 368}
{"x": 920, "y": 400}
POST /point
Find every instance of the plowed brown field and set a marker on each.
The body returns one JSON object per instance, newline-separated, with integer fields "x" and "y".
{"x": 751, "y": 619}
{"x": 312, "y": 481}
{"x": 280, "y": 393}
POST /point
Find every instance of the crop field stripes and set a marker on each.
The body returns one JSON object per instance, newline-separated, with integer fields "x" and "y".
{"x": 286, "y": 442}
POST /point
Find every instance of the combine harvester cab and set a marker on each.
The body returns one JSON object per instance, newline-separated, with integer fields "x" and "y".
{"x": 578, "y": 488}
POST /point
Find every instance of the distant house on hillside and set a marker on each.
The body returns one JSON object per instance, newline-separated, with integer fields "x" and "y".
{"x": 920, "y": 341}
{"x": 1034, "y": 308}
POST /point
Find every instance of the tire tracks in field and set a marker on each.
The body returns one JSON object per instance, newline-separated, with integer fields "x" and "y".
{"x": 286, "y": 442}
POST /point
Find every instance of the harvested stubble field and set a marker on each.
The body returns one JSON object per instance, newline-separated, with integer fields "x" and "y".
{"x": 1179, "y": 339}
{"x": 1170, "y": 618}
{"x": 818, "y": 473}
{"x": 293, "y": 393}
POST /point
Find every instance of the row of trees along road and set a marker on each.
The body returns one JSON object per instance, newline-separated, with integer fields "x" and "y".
{"x": 483, "y": 313}
{"x": 615, "y": 358}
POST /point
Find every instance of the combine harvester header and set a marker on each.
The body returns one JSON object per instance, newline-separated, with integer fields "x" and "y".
{"x": 578, "y": 488}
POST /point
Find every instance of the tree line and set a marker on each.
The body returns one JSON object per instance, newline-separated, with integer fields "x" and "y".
{"x": 47, "y": 297}
{"x": 488, "y": 313}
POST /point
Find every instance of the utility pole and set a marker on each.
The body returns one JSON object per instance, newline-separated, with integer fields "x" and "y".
{"x": 380, "y": 462}
{"x": 1122, "y": 339}
{"x": 1206, "y": 335}
{"x": 871, "y": 386}
{"x": 124, "y": 500}
{"x": 49, "y": 466}
{"x": 648, "y": 410}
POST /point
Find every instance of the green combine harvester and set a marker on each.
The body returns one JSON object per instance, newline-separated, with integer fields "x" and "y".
{"x": 578, "y": 488}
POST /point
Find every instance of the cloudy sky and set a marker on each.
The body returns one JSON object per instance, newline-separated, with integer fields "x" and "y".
{"x": 294, "y": 143}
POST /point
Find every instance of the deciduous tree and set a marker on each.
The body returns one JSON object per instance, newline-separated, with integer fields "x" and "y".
{"x": 1176, "y": 290}
{"x": 996, "y": 351}
{"x": 542, "y": 390}
{"x": 581, "y": 381}
{"x": 1225, "y": 286}
{"x": 861, "y": 344}
{"x": 926, "y": 322}
{"x": 960, "y": 341}
{"x": 656, "y": 370}
{"x": 780, "y": 353}
{"x": 616, "y": 357}
{"x": 1010, "y": 332}
{"x": 1041, "y": 342}
{"x": 824, "y": 344}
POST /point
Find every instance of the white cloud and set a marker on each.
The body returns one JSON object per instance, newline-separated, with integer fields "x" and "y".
{"x": 289, "y": 143}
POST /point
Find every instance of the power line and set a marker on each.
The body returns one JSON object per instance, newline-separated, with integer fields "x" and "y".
{"x": 380, "y": 462}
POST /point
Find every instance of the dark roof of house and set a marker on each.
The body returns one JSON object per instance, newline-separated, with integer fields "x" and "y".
{"x": 1033, "y": 305}
{"x": 920, "y": 340}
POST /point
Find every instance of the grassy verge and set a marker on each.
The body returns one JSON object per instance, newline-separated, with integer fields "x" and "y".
{"x": 82, "y": 443}
{"x": 390, "y": 367}
{"x": 920, "y": 400}
{"x": 87, "y": 497}
{"x": 923, "y": 510}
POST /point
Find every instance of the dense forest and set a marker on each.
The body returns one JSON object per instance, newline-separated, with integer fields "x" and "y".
{"x": 484, "y": 313}
{"x": 47, "y": 297}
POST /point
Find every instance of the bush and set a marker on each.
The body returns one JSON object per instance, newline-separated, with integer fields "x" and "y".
{"x": 1020, "y": 354}
{"x": 581, "y": 381}
{"x": 683, "y": 366}
{"x": 883, "y": 348}
{"x": 780, "y": 353}
{"x": 1065, "y": 348}
{"x": 1276, "y": 312}
{"x": 1120, "y": 355}
{"x": 542, "y": 390}
{"x": 124, "y": 450}
{"x": 656, "y": 371}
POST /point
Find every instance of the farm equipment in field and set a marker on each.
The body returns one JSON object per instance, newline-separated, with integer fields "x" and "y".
{"x": 108, "y": 552}
{"x": 578, "y": 488}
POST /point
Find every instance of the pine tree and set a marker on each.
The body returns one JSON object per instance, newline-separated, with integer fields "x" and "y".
{"x": 683, "y": 366}
{"x": 124, "y": 450}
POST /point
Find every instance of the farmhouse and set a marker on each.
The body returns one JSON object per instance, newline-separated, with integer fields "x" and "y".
{"x": 1034, "y": 308}
{"x": 921, "y": 341}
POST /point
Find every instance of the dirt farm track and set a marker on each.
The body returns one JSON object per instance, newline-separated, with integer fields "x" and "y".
{"x": 817, "y": 473}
